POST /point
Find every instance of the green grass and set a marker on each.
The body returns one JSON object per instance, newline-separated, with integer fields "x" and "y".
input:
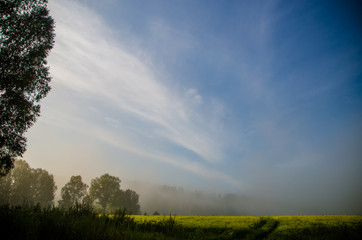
{"x": 277, "y": 227}
{"x": 81, "y": 222}
{"x": 318, "y": 227}
{"x": 206, "y": 221}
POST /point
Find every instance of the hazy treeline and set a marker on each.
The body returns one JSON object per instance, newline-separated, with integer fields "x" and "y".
{"x": 178, "y": 201}
{"x": 32, "y": 186}
{"x": 25, "y": 185}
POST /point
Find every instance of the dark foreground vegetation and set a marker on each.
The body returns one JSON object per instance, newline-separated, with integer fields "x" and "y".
{"x": 78, "y": 222}
{"x": 81, "y": 222}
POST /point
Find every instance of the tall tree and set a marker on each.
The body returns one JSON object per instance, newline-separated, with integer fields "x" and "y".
{"x": 43, "y": 187}
{"x": 127, "y": 200}
{"x": 22, "y": 184}
{"x": 104, "y": 189}
{"x": 26, "y": 185}
{"x": 26, "y": 38}
{"x": 74, "y": 192}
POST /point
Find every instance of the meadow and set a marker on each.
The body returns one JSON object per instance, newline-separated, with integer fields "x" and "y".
{"x": 81, "y": 222}
{"x": 274, "y": 227}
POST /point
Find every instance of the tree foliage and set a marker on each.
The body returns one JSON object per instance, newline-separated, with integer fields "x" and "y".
{"x": 26, "y": 38}
{"x": 25, "y": 185}
{"x": 43, "y": 187}
{"x": 129, "y": 201}
{"x": 21, "y": 179}
{"x": 74, "y": 192}
{"x": 105, "y": 191}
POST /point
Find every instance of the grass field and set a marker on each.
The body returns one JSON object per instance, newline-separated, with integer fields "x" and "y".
{"x": 318, "y": 227}
{"x": 81, "y": 222}
{"x": 276, "y": 227}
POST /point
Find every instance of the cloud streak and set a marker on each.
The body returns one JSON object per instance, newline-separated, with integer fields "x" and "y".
{"x": 89, "y": 60}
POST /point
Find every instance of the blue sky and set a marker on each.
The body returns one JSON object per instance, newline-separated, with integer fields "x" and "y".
{"x": 251, "y": 97}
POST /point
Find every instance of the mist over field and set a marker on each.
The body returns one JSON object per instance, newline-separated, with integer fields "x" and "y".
{"x": 208, "y": 107}
{"x": 178, "y": 201}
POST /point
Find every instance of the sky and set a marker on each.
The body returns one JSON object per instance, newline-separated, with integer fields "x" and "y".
{"x": 261, "y": 98}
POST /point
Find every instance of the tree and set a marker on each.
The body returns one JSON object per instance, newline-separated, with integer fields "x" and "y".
{"x": 26, "y": 38}
{"x": 74, "y": 192}
{"x": 106, "y": 192}
{"x": 21, "y": 187}
{"x": 26, "y": 185}
{"x": 43, "y": 187}
{"x": 103, "y": 190}
{"x": 5, "y": 185}
{"x": 129, "y": 201}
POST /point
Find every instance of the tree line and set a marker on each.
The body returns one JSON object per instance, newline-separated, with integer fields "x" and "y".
{"x": 25, "y": 185}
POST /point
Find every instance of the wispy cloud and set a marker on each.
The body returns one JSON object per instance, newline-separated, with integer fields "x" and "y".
{"x": 194, "y": 96}
{"x": 88, "y": 60}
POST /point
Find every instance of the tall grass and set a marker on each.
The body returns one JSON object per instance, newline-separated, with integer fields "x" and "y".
{"x": 78, "y": 222}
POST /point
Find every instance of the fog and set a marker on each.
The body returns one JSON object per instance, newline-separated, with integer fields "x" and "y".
{"x": 178, "y": 201}
{"x": 333, "y": 188}
{"x": 330, "y": 186}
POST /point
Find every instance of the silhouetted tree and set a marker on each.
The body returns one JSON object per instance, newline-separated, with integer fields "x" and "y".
{"x": 131, "y": 201}
{"x": 26, "y": 185}
{"x": 21, "y": 183}
{"x": 43, "y": 188}
{"x": 73, "y": 192}
{"x": 103, "y": 190}
{"x": 127, "y": 200}
{"x": 26, "y": 38}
